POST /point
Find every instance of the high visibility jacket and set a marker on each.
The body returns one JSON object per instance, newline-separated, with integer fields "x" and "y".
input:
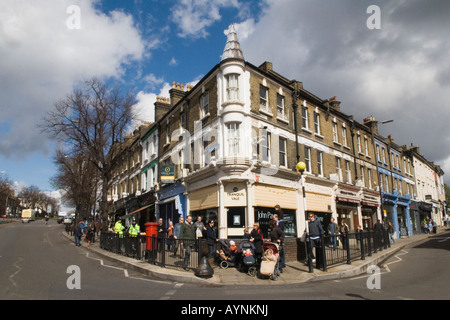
{"x": 118, "y": 229}
{"x": 134, "y": 230}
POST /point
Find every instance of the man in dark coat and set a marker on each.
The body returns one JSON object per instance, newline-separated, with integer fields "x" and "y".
{"x": 187, "y": 238}
{"x": 210, "y": 238}
{"x": 315, "y": 230}
{"x": 78, "y": 233}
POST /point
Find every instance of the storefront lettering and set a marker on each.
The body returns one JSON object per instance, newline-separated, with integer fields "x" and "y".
{"x": 235, "y": 195}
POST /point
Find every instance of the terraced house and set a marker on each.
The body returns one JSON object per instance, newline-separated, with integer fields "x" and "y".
{"x": 226, "y": 149}
{"x": 235, "y": 138}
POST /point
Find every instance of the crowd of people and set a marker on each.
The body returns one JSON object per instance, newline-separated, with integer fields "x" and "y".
{"x": 182, "y": 237}
{"x": 87, "y": 229}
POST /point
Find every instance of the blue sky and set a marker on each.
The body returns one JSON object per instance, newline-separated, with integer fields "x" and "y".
{"x": 400, "y": 71}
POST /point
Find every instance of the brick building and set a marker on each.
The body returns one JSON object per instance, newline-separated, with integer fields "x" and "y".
{"x": 226, "y": 149}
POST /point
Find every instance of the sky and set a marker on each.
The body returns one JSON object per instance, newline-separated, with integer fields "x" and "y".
{"x": 390, "y": 61}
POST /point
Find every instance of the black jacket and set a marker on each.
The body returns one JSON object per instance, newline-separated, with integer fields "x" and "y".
{"x": 315, "y": 228}
{"x": 276, "y": 234}
{"x": 210, "y": 235}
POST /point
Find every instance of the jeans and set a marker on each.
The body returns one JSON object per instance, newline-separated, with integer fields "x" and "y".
{"x": 315, "y": 242}
{"x": 77, "y": 240}
{"x": 187, "y": 256}
{"x": 333, "y": 241}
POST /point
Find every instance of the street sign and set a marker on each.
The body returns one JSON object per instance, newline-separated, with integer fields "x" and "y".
{"x": 167, "y": 174}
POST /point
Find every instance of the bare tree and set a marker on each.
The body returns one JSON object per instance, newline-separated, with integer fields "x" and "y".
{"x": 5, "y": 191}
{"x": 79, "y": 178}
{"x": 94, "y": 118}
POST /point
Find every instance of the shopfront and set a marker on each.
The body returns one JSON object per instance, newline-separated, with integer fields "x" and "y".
{"x": 347, "y": 202}
{"x": 204, "y": 202}
{"x": 266, "y": 198}
{"x": 370, "y": 203}
{"x": 263, "y": 215}
{"x": 171, "y": 204}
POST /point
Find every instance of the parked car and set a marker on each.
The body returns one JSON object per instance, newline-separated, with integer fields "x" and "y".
{"x": 67, "y": 220}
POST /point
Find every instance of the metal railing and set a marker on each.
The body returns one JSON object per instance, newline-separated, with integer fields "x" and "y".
{"x": 337, "y": 249}
{"x": 329, "y": 250}
{"x": 159, "y": 251}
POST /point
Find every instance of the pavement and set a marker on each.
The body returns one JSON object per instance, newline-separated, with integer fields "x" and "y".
{"x": 295, "y": 272}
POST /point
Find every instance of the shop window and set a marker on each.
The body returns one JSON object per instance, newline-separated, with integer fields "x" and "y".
{"x": 236, "y": 217}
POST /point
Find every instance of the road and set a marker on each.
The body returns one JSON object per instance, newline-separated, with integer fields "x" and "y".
{"x": 34, "y": 259}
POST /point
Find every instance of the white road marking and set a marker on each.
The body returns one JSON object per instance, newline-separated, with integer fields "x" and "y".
{"x": 125, "y": 271}
{"x": 385, "y": 266}
{"x": 19, "y": 268}
{"x": 170, "y": 293}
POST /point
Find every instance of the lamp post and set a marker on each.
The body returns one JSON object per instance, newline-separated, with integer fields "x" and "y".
{"x": 301, "y": 166}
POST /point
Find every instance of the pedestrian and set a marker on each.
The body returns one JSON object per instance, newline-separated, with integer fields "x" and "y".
{"x": 390, "y": 230}
{"x": 343, "y": 232}
{"x": 199, "y": 229}
{"x": 171, "y": 241}
{"x": 187, "y": 236}
{"x": 78, "y": 232}
{"x": 247, "y": 231}
{"x": 434, "y": 226}
{"x": 210, "y": 238}
{"x": 276, "y": 235}
{"x": 378, "y": 235}
{"x": 315, "y": 231}
{"x": 89, "y": 234}
{"x": 161, "y": 234}
{"x": 430, "y": 226}
{"x": 256, "y": 237}
{"x": 332, "y": 231}
{"x": 176, "y": 236}
{"x": 278, "y": 217}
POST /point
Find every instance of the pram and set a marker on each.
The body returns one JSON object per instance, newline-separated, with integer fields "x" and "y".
{"x": 270, "y": 259}
{"x": 247, "y": 261}
{"x": 226, "y": 256}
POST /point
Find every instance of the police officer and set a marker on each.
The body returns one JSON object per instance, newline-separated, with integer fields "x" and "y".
{"x": 133, "y": 232}
{"x": 118, "y": 229}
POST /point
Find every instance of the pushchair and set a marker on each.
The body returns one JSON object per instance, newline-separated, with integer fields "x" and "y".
{"x": 227, "y": 255}
{"x": 270, "y": 260}
{"x": 247, "y": 261}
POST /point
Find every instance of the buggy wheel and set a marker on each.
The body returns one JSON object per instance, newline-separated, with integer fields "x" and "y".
{"x": 252, "y": 271}
{"x": 224, "y": 264}
{"x": 274, "y": 276}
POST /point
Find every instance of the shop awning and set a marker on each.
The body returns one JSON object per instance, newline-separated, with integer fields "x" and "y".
{"x": 143, "y": 208}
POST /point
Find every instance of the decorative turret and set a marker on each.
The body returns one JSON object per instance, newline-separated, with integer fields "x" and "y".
{"x": 232, "y": 48}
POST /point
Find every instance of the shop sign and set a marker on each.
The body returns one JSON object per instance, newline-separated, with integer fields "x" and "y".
{"x": 235, "y": 195}
{"x": 167, "y": 174}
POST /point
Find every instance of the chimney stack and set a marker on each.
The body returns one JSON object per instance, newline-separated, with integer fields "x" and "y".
{"x": 371, "y": 123}
{"x": 176, "y": 93}
{"x": 335, "y": 104}
{"x": 162, "y": 106}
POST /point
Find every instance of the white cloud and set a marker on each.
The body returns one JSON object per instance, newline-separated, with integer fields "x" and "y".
{"x": 400, "y": 72}
{"x": 41, "y": 60}
{"x": 193, "y": 17}
{"x": 144, "y": 109}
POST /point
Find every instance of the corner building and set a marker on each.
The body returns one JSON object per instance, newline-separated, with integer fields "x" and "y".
{"x": 235, "y": 138}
